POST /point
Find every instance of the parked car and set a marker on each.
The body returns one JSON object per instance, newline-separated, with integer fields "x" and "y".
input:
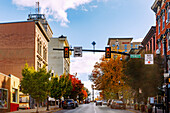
{"x": 98, "y": 102}
{"x": 69, "y": 103}
{"x": 77, "y": 105}
{"x": 87, "y": 101}
{"x": 108, "y": 102}
{"x": 104, "y": 102}
{"x": 118, "y": 105}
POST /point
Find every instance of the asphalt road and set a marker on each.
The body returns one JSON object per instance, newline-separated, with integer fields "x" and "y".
{"x": 92, "y": 108}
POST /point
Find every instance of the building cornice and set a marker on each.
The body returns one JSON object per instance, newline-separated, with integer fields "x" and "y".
{"x": 38, "y": 23}
{"x": 119, "y": 39}
{"x": 155, "y": 5}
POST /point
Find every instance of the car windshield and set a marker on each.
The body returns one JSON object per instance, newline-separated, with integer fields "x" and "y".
{"x": 69, "y": 100}
{"x": 119, "y": 102}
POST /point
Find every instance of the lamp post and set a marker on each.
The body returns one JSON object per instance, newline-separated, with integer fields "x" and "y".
{"x": 92, "y": 92}
{"x": 52, "y": 74}
{"x": 166, "y": 71}
{"x": 93, "y": 43}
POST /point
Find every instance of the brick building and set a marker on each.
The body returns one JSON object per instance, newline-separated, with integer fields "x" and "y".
{"x": 149, "y": 41}
{"x": 119, "y": 44}
{"x": 20, "y": 43}
{"x": 162, "y": 12}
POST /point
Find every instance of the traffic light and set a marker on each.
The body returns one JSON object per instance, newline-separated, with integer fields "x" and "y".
{"x": 66, "y": 52}
{"x": 108, "y": 52}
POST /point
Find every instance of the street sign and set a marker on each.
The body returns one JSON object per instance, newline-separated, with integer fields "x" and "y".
{"x": 149, "y": 59}
{"x": 166, "y": 75}
{"x": 135, "y": 55}
{"x": 77, "y": 51}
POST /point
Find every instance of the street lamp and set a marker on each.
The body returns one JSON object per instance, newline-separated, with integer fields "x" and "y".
{"x": 92, "y": 91}
{"x": 93, "y": 43}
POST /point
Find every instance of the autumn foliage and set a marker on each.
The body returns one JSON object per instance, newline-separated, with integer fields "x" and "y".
{"x": 108, "y": 76}
{"x": 78, "y": 88}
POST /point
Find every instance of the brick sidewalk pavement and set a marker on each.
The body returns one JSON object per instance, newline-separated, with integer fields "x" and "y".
{"x": 41, "y": 110}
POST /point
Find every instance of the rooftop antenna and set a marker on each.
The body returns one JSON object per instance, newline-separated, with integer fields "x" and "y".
{"x": 37, "y": 10}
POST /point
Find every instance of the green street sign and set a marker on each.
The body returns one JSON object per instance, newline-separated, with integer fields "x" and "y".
{"x": 135, "y": 55}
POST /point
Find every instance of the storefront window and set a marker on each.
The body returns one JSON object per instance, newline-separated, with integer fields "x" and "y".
{"x": 14, "y": 95}
{"x": 3, "y": 98}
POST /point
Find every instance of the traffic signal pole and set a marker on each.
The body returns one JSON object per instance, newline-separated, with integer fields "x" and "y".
{"x": 89, "y": 50}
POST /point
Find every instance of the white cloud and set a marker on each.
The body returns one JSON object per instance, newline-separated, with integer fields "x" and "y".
{"x": 55, "y": 8}
{"x": 137, "y": 40}
{"x": 84, "y": 65}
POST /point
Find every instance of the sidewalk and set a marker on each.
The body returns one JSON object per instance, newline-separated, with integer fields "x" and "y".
{"x": 41, "y": 110}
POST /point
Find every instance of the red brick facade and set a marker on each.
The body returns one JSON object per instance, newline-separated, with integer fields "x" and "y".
{"x": 5, "y": 83}
{"x": 17, "y": 46}
{"x": 149, "y": 42}
{"x": 162, "y": 11}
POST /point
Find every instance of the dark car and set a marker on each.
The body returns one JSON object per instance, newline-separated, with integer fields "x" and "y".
{"x": 98, "y": 102}
{"x": 118, "y": 105}
{"x": 69, "y": 103}
{"x": 77, "y": 105}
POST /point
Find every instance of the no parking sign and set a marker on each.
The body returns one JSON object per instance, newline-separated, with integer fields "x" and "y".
{"x": 149, "y": 59}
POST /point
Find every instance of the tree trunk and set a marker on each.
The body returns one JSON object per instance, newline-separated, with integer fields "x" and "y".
{"x": 37, "y": 107}
{"x": 55, "y": 102}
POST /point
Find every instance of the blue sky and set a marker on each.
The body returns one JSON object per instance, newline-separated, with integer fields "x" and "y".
{"x": 84, "y": 21}
{"x": 97, "y": 20}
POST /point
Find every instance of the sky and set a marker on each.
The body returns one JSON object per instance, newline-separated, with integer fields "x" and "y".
{"x": 85, "y": 21}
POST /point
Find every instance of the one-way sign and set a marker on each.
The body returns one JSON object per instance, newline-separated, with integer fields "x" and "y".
{"x": 77, "y": 51}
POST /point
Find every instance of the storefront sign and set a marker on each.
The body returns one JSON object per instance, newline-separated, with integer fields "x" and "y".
{"x": 125, "y": 42}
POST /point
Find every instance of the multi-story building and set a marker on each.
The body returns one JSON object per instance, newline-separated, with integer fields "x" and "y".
{"x": 56, "y": 59}
{"x": 9, "y": 93}
{"x": 120, "y": 45}
{"x": 23, "y": 42}
{"x": 149, "y": 41}
{"x": 162, "y": 12}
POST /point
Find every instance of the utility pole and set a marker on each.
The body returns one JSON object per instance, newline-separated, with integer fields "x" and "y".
{"x": 166, "y": 71}
{"x": 92, "y": 92}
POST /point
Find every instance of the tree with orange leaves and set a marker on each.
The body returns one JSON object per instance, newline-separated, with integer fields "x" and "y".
{"x": 108, "y": 76}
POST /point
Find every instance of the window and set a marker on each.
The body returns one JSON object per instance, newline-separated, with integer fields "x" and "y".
{"x": 3, "y": 98}
{"x": 151, "y": 45}
{"x": 162, "y": 48}
{"x": 168, "y": 15}
{"x": 168, "y": 42}
{"x": 14, "y": 95}
{"x": 159, "y": 25}
{"x": 38, "y": 65}
{"x": 136, "y": 46}
{"x": 131, "y": 45}
{"x": 154, "y": 43}
{"x": 39, "y": 45}
{"x": 125, "y": 48}
{"x": 45, "y": 53}
{"x": 163, "y": 21}
{"x": 40, "y": 48}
